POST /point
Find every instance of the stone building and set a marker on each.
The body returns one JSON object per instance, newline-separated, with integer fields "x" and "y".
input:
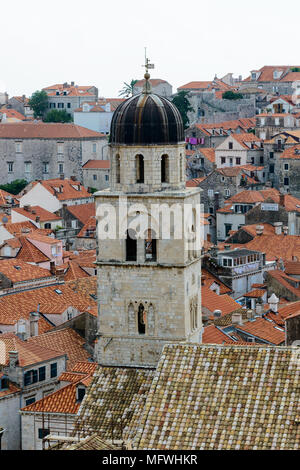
{"x": 44, "y": 151}
{"x": 96, "y": 174}
{"x": 69, "y": 96}
{"x": 275, "y": 79}
{"x": 149, "y": 281}
{"x": 239, "y": 149}
{"x": 289, "y": 175}
{"x": 268, "y": 124}
{"x": 159, "y": 87}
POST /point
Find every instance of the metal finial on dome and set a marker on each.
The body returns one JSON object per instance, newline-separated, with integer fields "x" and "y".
{"x": 147, "y": 86}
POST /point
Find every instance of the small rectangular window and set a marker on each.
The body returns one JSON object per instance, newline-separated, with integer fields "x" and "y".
{"x": 69, "y": 105}
{"x": 286, "y": 166}
{"x": 106, "y": 177}
{"x": 94, "y": 177}
{"x": 230, "y": 145}
{"x": 29, "y": 400}
{"x": 238, "y": 161}
{"x": 10, "y": 167}
{"x": 286, "y": 181}
{"x": 94, "y": 148}
{"x": 53, "y": 370}
{"x": 45, "y": 167}
{"x": 60, "y": 148}
{"x": 43, "y": 433}
{"x": 18, "y": 147}
{"x": 60, "y": 105}
{"x": 60, "y": 168}
{"x": 27, "y": 167}
{"x": 42, "y": 373}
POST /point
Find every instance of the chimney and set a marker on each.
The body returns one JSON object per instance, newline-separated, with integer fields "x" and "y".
{"x": 13, "y": 358}
{"x": 26, "y": 208}
{"x": 278, "y": 228}
{"x": 285, "y": 230}
{"x": 282, "y": 200}
{"x": 259, "y": 310}
{"x": 259, "y": 230}
{"x": 73, "y": 178}
{"x": 273, "y": 303}
{"x": 209, "y": 237}
{"x": 227, "y": 247}
{"x": 237, "y": 319}
{"x": 34, "y": 325}
{"x": 250, "y": 314}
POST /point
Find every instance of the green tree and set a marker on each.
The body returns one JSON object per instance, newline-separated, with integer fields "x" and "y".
{"x": 127, "y": 89}
{"x": 181, "y": 101}
{"x": 295, "y": 69}
{"x": 15, "y": 187}
{"x": 39, "y": 103}
{"x": 57, "y": 115}
{"x": 230, "y": 95}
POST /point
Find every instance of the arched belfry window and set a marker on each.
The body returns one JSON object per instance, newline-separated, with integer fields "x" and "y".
{"x": 131, "y": 246}
{"x": 118, "y": 169}
{"x": 165, "y": 169}
{"x": 150, "y": 246}
{"x": 141, "y": 320}
{"x": 139, "y": 165}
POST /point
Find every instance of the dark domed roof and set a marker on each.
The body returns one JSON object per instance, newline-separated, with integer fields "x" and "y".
{"x": 146, "y": 119}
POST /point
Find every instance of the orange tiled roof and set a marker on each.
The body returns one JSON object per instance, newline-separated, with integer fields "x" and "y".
{"x": 65, "y": 189}
{"x": 211, "y": 301}
{"x": 246, "y": 137}
{"x": 268, "y": 70}
{"x": 83, "y": 212}
{"x": 95, "y": 164}
{"x": 292, "y": 267}
{"x": 208, "y": 279}
{"x": 74, "y": 271}
{"x": 195, "y": 86}
{"x": 29, "y": 353}
{"x": 290, "y": 153}
{"x": 62, "y": 401}
{"x": 253, "y": 196}
{"x": 19, "y": 271}
{"x": 12, "y": 113}
{"x": 255, "y": 294}
{"x": 89, "y": 229}
{"x": 12, "y": 388}
{"x": 29, "y": 252}
{"x": 36, "y": 211}
{"x": 154, "y": 82}
{"x": 67, "y": 341}
{"x": 209, "y": 153}
{"x": 71, "y": 377}
{"x": 51, "y": 301}
{"x": 194, "y": 183}
{"x": 214, "y": 335}
{"x": 42, "y": 130}
{"x": 264, "y": 330}
{"x": 5, "y": 197}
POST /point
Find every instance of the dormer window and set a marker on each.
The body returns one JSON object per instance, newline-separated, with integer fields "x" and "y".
{"x": 80, "y": 393}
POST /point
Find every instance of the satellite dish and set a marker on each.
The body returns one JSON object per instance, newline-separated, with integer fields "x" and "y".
{"x": 4, "y": 220}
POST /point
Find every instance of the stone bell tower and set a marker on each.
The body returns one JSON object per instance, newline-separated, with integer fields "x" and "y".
{"x": 149, "y": 283}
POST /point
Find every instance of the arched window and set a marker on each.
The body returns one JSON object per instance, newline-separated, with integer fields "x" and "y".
{"x": 139, "y": 164}
{"x": 141, "y": 320}
{"x": 118, "y": 169}
{"x": 150, "y": 246}
{"x": 165, "y": 169}
{"x": 131, "y": 246}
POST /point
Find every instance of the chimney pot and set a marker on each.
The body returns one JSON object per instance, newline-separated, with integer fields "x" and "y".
{"x": 278, "y": 228}
{"x": 237, "y": 319}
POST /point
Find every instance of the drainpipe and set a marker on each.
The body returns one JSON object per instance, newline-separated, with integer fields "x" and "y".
{"x": 105, "y": 145}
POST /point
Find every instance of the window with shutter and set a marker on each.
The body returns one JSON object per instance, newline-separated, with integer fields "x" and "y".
{"x": 42, "y": 373}
{"x": 53, "y": 370}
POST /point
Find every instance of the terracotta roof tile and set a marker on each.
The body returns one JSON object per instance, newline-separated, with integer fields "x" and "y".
{"x": 67, "y": 341}
{"x": 211, "y": 301}
{"x": 222, "y": 398}
{"x": 95, "y": 164}
{"x": 65, "y": 189}
{"x": 264, "y": 330}
{"x": 89, "y": 229}
{"x": 29, "y": 353}
{"x": 11, "y": 389}
{"x": 36, "y": 211}
{"x": 19, "y": 271}
{"x": 83, "y": 212}
{"x": 41, "y": 130}
{"x": 214, "y": 335}
{"x": 121, "y": 391}
{"x": 255, "y": 294}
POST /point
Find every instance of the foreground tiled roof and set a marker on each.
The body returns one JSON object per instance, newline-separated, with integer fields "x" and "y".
{"x": 29, "y": 352}
{"x": 86, "y": 287}
{"x": 67, "y": 341}
{"x": 93, "y": 442}
{"x": 65, "y": 189}
{"x": 41, "y": 130}
{"x": 222, "y": 398}
{"x": 120, "y": 392}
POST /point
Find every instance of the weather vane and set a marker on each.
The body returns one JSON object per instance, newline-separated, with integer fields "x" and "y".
{"x": 147, "y": 64}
